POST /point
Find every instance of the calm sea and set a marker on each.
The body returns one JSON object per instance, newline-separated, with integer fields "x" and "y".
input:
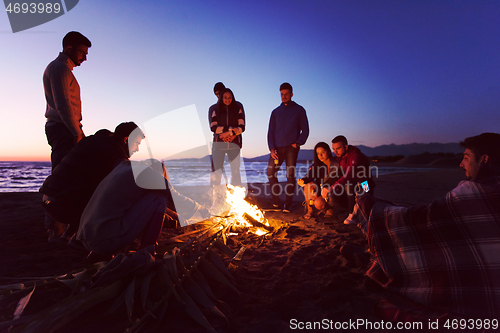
{"x": 29, "y": 176}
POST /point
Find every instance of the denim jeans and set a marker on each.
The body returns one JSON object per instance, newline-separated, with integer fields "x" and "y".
{"x": 144, "y": 218}
{"x": 289, "y": 155}
{"x": 219, "y": 152}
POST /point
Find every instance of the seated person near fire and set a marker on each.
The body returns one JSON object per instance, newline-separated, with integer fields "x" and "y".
{"x": 131, "y": 201}
{"x": 444, "y": 255}
{"x": 324, "y": 171}
{"x": 355, "y": 167}
{"x": 69, "y": 188}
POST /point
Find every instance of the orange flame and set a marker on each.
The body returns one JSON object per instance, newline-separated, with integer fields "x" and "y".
{"x": 235, "y": 197}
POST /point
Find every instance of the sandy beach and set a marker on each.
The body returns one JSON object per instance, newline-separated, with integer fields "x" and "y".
{"x": 297, "y": 276}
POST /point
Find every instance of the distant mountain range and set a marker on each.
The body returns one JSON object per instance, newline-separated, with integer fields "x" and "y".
{"x": 384, "y": 150}
{"x": 412, "y": 149}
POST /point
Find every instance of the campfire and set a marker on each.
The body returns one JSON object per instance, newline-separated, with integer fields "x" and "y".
{"x": 242, "y": 216}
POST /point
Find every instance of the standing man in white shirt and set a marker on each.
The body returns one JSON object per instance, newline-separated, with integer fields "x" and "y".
{"x": 64, "y": 107}
{"x": 62, "y": 93}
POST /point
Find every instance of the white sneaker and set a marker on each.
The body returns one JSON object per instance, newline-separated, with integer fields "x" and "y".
{"x": 353, "y": 218}
{"x": 356, "y": 217}
{"x": 350, "y": 220}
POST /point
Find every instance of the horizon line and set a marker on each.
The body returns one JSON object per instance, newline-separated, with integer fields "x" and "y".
{"x": 47, "y": 158}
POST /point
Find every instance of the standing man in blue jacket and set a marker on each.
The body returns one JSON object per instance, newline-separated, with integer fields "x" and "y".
{"x": 288, "y": 130}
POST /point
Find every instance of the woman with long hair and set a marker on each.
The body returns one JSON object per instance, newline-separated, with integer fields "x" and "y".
{"x": 228, "y": 122}
{"x": 323, "y": 172}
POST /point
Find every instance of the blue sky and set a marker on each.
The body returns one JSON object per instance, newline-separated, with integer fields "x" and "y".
{"x": 378, "y": 72}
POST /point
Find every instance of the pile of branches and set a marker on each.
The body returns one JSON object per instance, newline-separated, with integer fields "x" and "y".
{"x": 134, "y": 289}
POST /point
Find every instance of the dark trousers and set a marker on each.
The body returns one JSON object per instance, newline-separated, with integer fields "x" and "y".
{"x": 61, "y": 142}
{"x": 145, "y": 220}
{"x": 67, "y": 211}
{"x": 345, "y": 196}
{"x": 289, "y": 155}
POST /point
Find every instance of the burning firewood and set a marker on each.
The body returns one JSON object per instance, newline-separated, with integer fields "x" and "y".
{"x": 246, "y": 214}
{"x": 256, "y": 223}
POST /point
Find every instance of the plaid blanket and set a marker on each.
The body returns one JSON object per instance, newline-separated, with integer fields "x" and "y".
{"x": 445, "y": 255}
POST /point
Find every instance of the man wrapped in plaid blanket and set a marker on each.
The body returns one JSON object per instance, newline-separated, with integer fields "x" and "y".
{"x": 445, "y": 255}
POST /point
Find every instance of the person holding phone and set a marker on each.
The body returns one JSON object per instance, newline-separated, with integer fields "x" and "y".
{"x": 355, "y": 170}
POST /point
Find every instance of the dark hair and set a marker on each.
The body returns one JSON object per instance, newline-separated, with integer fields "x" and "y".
{"x": 219, "y": 86}
{"x": 233, "y": 106}
{"x": 74, "y": 38}
{"x": 286, "y": 85}
{"x": 104, "y": 132}
{"x": 484, "y": 144}
{"x": 326, "y": 147}
{"x": 340, "y": 138}
{"x": 124, "y": 130}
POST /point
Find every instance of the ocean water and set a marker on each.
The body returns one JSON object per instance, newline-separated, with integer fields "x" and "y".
{"x": 29, "y": 176}
{"x": 23, "y": 176}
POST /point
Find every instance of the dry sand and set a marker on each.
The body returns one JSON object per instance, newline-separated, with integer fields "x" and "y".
{"x": 299, "y": 274}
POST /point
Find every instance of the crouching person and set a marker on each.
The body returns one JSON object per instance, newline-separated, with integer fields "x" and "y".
{"x": 355, "y": 169}
{"x": 323, "y": 171}
{"x": 130, "y": 203}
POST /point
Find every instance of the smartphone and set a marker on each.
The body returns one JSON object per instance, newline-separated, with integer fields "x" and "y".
{"x": 365, "y": 186}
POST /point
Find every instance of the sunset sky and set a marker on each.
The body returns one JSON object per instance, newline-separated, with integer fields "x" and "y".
{"x": 378, "y": 72}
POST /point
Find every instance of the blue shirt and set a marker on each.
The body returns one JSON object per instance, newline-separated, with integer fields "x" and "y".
{"x": 288, "y": 125}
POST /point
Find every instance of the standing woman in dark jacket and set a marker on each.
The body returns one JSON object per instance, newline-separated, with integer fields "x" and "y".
{"x": 324, "y": 170}
{"x": 228, "y": 122}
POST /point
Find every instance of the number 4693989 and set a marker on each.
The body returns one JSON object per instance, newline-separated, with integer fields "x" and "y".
{"x": 33, "y": 8}
{"x": 471, "y": 324}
